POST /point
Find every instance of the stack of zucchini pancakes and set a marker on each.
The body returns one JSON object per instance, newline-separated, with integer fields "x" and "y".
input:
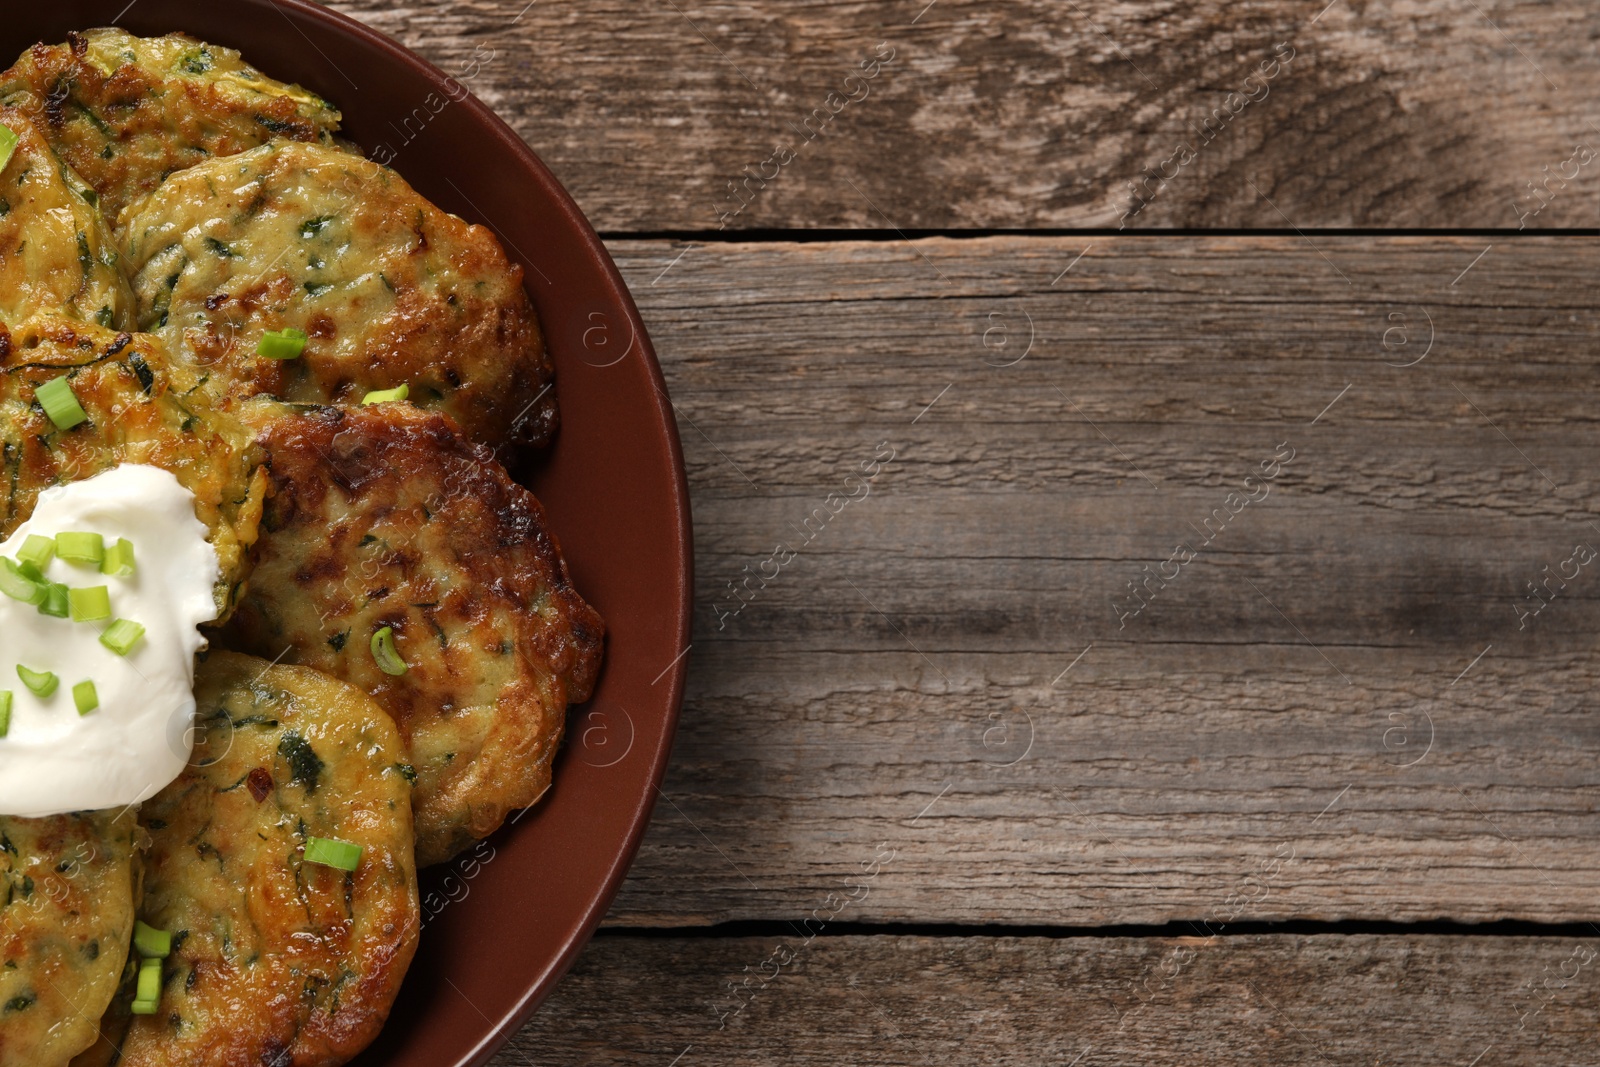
{"x": 335, "y": 368}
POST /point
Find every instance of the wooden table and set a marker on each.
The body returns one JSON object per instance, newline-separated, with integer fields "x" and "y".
{"x": 1145, "y": 514}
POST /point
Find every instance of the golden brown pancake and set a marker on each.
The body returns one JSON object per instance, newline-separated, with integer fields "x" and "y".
{"x": 126, "y": 111}
{"x": 389, "y": 290}
{"x": 56, "y": 252}
{"x": 140, "y": 410}
{"x": 387, "y": 517}
{"x": 67, "y": 891}
{"x": 277, "y": 960}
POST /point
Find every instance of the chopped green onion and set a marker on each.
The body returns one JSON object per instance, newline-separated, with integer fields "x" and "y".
{"x": 32, "y": 573}
{"x": 282, "y": 344}
{"x": 383, "y": 396}
{"x": 149, "y": 988}
{"x": 89, "y": 604}
{"x": 327, "y": 852}
{"x": 81, "y": 548}
{"x": 84, "y": 697}
{"x": 119, "y": 558}
{"x": 8, "y": 145}
{"x": 5, "y": 712}
{"x": 55, "y": 601}
{"x": 16, "y": 584}
{"x": 39, "y": 683}
{"x": 121, "y": 636}
{"x": 145, "y": 1007}
{"x": 60, "y": 403}
{"x": 152, "y": 944}
{"x": 385, "y": 654}
{"x": 38, "y": 550}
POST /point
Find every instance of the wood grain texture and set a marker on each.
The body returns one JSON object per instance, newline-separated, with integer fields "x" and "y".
{"x": 1391, "y": 113}
{"x": 1090, "y": 1002}
{"x": 1334, "y": 711}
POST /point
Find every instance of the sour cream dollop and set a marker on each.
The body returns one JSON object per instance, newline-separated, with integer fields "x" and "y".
{"x": 54, "y": 760}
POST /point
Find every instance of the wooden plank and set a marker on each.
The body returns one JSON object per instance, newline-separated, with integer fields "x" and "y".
{"x": 1248, "y": 745}
{"x": 1036, "y": 114}
{"x": 1090, "y": 1001}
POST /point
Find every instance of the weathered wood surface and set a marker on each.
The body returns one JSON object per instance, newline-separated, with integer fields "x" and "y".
{"x": 1390, "y": 113}
{"x": 1090, "y": 1002}
{"x": 942, "y": 707}
{"x": 1255, "y": 744}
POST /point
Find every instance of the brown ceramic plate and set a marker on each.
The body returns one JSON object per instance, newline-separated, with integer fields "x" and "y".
{"x": 502, "y": 924}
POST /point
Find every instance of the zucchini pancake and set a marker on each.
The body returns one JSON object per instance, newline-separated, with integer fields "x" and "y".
{"x": 388, "y": 289}
{"x": 134, "y": 412}
{"x": 384, "y": 518}
{"x": 125, "y": 112}
{"x": 57, "y": 256}
{"x": 212, "y": 304}
{"x": 68, "y": 885}
{"x": 285, "y": 757}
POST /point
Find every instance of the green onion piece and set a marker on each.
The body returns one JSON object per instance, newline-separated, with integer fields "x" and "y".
{"x": 16, "y": 584}
{"x": 84, "y": 697}
{"x": 152, "y": 944}
{"x": 149, "y": 988}
{"x": 8, "y": 145}
{"x": 89, "y": 604}
{"x": 5, "y": 712}
{"x": 385, "y": 654}
{"x": 119, "y": 558}
{"x": 32, "y": 573}
{"x": 39, "y": 683}
{"x": 328, "y": 852}
{"x": 60, "y": 403}
{"x": 145, "y": 1007}
{"x": 38, "y": 550}
{"x": 282, "y": 344}
{"x": 87, "y": 548}
{"x": 121, "y": 636}
{"x": 55, "y": 601}
{"x": 383, "y": 396}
